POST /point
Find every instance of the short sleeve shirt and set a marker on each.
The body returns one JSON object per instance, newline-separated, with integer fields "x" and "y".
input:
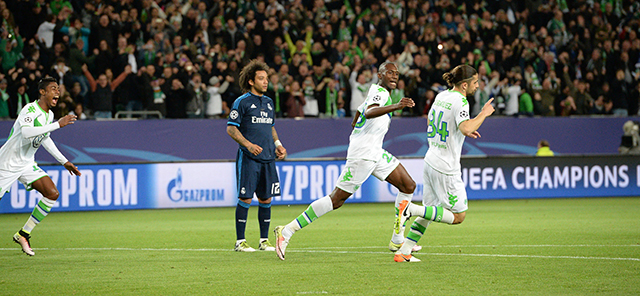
{"x": 449, "y": 109}
{"x": 254, "y": 116}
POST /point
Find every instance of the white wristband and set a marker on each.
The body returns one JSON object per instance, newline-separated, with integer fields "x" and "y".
{"x": 277, "y": 142}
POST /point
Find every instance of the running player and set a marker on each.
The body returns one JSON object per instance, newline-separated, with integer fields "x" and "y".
{"x": 365, "y": 156}
{"x": 17, "y": 161}
{"x": 445, "y": 198}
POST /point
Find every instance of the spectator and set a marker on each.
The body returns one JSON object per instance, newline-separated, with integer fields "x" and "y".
{"x": 217, "y": 108}
{"x": 295, "y": 102}
{"x": 177, "y": 98}
{"x": 579, "y": 101}
{"x": 594, "y": 40}
{"x": 77, "y": 58}
{"x": 619, "y": 94}
{"x": 602, "y": 106}
{"x": 512, "y": 92}
{"x": 78, "y": 110}
{"x": 360, "y": 86}
{"x": 4, "y": 99}
{"x": 10, "y": 49}
{"x": 543, "y": 99}
{"x": 277, "y": 92}
{"x": 311, "y": 108}
{"x": 198, "y": 96}
{"x": 102, "y": 92}
{"x": 544, "y": 149}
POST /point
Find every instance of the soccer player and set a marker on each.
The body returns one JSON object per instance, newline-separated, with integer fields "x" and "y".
{"x": 251, "y": 124}
{"x": 365, "y": 157}
{"x": 445, "y": 198}
{"x": 17, "y": 161}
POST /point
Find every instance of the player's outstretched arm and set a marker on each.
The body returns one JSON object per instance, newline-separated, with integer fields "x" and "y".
{"x": 470, "y": 127}
{"x": 34, "y": 131}
{"x": 72, "y": 168}
{"x": 67, "y": 119}
{"x": 376, "y": 110}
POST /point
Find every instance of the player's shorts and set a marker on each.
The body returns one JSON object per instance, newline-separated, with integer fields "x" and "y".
{"x": 256, "y": 177}
{"x": 356, "y": 171}
{"x": 26, "y": 176}
{"x": 443, "y": 190}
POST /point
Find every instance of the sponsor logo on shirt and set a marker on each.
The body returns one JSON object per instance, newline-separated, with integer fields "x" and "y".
{"x": 35, "y": 143}
{"x": 253, "y": 106}
{"x": 264, "y": 118}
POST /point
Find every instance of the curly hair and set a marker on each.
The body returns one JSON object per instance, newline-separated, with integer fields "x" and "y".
{"x": 249, "y": 73}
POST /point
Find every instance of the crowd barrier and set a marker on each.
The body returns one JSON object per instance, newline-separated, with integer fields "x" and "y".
{"x": 119, "y": 141}
{"x": 213, "y": 184}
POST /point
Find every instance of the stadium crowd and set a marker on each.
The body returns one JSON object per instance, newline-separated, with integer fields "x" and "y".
{"x": 183, "y": 57}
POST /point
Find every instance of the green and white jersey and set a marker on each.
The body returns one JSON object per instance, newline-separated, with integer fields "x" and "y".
{"x": 367, "y": 136}
{"x": 20, "y": 151}
{"x": 450, "y": 108}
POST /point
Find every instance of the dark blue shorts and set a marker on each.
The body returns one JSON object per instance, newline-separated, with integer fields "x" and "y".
{"x": 256, "y": 177}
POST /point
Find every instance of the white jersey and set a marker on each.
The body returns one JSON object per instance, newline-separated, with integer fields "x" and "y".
{"x": 450, "y": 108}
{"x": 19, "y": 151}
{"x": 367, "y": 136}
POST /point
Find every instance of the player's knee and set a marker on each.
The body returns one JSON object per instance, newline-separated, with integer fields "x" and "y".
{"x": 458, "y": 217}
{"x": 337, "y": 203}
{"x": 52, "y": 194}
{"x": 410, "y": 186}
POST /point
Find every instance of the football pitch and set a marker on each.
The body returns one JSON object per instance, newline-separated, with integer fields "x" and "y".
{"x": 504, "y": 247}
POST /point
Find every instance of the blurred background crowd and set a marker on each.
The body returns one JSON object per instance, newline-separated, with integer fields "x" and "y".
{"x": 182, "y": 58}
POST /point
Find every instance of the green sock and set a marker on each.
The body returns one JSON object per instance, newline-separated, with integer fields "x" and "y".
{"x": 313, "y": 212}
{"x": 40, "y": 211}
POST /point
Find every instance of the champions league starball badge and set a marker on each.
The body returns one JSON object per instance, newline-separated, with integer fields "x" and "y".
{"x": 233, "y": 114}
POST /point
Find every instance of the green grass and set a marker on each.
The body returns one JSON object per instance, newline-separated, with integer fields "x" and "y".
{"x": 510, "y": 247}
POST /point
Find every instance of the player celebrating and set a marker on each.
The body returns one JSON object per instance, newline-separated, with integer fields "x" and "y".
{"x": 17, "y": 161}
{"x": 365, "y": 156}
{"x": 445, "y": 198}
{"x": 251, "y": 124}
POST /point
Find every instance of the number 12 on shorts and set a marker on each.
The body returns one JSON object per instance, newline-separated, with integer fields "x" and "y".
{"x": 275, "y": 188}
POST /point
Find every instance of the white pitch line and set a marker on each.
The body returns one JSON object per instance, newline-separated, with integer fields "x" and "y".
{"x": 486, "y": 246}
{"x": 320, "y": 250}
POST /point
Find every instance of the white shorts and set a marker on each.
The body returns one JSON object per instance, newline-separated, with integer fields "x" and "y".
{"x": 26, "y": 176}
{"x": 442, "y": 190}
{"x": 356, "y": 171}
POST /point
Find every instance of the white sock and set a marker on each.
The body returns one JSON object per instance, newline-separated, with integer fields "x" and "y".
{"x": 433, "y": 213}
{"x": 417, "y": 230}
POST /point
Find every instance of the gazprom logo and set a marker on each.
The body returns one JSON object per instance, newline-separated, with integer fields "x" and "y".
{"x": 178, "y": 194}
